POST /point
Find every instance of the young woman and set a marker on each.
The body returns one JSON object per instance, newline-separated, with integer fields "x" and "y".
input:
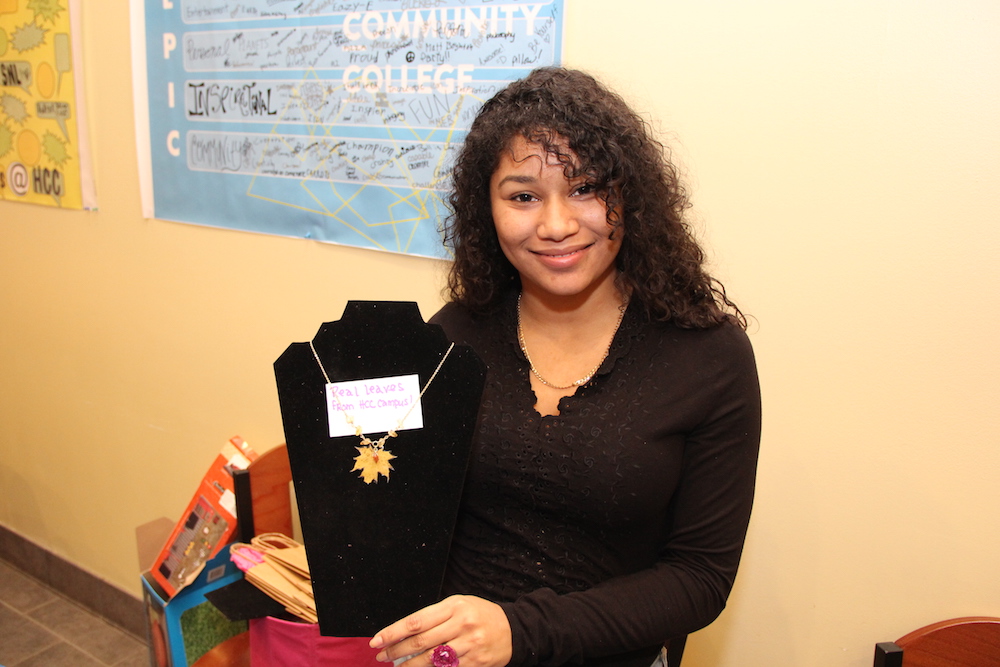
{"x": 613, "y": 470}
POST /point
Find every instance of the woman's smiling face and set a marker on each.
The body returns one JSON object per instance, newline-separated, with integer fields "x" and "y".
{"x": 553, "y": 229}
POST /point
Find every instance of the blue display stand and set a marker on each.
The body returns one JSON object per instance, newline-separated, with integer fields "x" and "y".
{"x": 183, "y": 628}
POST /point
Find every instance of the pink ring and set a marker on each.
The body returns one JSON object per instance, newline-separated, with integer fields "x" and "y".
{"x": 444, "y": 656}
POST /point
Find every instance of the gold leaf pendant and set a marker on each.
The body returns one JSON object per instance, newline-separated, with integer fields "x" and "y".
{"x": 372, "y": 463}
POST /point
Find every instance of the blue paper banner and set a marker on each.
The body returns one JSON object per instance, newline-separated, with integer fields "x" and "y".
{"x": 336, "y": 121}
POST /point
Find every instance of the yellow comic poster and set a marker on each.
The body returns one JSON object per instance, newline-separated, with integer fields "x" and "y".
{"x": 42, "y": 155}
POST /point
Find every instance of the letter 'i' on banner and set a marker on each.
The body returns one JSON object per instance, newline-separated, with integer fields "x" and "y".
{"x": 301, "y": 120}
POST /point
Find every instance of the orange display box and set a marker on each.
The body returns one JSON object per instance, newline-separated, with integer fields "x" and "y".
{"x": 207, "y": 525}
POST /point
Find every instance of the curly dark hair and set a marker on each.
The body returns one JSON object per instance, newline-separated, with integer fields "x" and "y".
{"x": 660, "y": 262}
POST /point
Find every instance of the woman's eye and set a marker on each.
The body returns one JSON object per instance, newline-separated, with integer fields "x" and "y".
{"x": 522, "y": 197}
{"x": 585, "y": 189}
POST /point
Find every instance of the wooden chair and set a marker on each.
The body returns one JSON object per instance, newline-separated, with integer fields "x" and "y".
{"x": 234, "y": 652}
{"x": 960, "y": 642}
{"x": 272, "y": 502}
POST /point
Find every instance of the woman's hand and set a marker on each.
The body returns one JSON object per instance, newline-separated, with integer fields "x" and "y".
{"x": 477, "y": 629}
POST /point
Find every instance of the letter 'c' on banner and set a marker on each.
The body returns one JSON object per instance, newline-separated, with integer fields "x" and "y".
{"x": 171, "y": 146}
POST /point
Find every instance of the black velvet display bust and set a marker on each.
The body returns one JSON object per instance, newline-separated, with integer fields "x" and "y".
{"x": 378, "y": 551}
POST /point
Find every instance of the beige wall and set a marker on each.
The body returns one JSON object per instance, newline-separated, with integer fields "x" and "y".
{"x": 843, "y": 161}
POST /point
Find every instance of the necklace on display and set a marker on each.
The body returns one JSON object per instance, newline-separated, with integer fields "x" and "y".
{"x": 585, "y": 379}
{"x": 373, "y": 458}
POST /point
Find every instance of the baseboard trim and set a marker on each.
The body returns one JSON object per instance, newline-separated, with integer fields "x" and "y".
{"x": 86, "y": 589}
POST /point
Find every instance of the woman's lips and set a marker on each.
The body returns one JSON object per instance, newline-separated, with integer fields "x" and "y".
{"x": 561, "y": 257}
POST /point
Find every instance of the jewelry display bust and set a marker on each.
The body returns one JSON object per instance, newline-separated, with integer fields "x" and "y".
{"x": 377, "y": 543}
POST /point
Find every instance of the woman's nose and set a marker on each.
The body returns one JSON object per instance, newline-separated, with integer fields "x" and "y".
{"x": 558, "y": 220}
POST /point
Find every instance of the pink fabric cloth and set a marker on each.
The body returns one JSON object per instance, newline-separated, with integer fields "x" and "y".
{"x": 277, "y": 643}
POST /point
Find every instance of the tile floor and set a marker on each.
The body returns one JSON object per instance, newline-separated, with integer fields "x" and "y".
{"x": 41, "y": 628}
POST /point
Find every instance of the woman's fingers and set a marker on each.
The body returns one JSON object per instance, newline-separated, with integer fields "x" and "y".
{"x": 415, "y": 633}
{"x": 475, "y": 628}
{"x": 410, "y": 626}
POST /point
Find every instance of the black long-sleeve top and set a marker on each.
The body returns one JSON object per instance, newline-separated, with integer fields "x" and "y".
{"x": 618, "y": 523}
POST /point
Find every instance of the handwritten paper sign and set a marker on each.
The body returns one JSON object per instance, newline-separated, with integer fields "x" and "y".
{"x": 333, "y": 120}
{"x": 375, "y": 405}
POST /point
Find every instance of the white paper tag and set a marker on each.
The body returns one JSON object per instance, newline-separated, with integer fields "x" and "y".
{"x": 228, "y": 502}
{"x": 376, "y": 405}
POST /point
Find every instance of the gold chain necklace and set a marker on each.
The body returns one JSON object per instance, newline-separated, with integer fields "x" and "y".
{"x": 373, "y": 458}
{"x": 581, "y": 381}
